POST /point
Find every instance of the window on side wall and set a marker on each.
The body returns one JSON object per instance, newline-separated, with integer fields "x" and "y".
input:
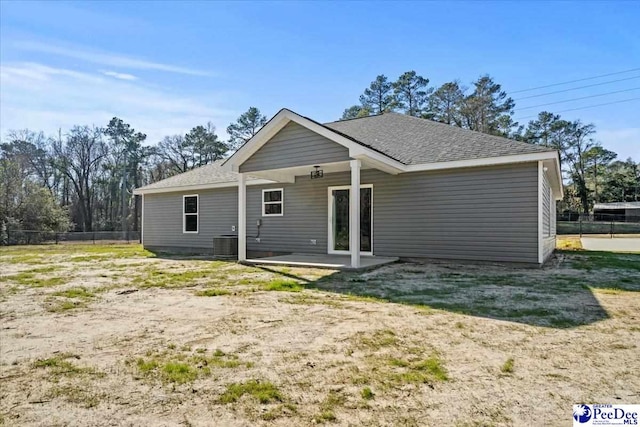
{"x": 190, "y": 208}
{"x": 273, "y": 202}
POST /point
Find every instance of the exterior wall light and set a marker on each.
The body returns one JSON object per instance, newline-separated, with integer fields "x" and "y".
{"x": 317, "y": 173}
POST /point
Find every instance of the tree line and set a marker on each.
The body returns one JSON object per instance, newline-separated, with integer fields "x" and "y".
{"x": 84, "y": 180}
{"x": 592, "y": 173}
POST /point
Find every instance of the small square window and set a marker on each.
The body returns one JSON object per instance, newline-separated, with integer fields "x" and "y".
{"x": 273, "y": 209}
{"x": 191, "y": 204}
{"x": 273, "y": 196}
{"x": 272, "y": 202}
{"x": 191, "y": 223}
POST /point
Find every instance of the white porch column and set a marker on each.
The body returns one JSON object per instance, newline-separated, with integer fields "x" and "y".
{"x": 242, "y": 217}
{"x": 354, "y": 214}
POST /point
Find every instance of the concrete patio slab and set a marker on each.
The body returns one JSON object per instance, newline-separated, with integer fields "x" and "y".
{"x": 338, "y": 262}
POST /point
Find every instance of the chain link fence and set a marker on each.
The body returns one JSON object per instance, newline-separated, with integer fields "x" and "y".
{"x": 608, "y": 224}
{"x": 36, "y": 237}
{"x": 574, "y": 224}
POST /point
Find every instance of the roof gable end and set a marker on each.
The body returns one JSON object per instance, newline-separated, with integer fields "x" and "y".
{"x": 295, "y": 145}
{"x": 356, "y": 149}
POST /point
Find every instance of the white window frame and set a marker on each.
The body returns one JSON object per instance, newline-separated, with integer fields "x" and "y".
{"x": 184, "y": 214}
{"x": 281, "y": 202}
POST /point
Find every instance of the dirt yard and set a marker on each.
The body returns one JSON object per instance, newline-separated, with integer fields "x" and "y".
{"x": 114, "y": 335}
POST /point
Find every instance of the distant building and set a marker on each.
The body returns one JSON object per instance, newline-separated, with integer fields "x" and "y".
{"x": 618, "y": 211}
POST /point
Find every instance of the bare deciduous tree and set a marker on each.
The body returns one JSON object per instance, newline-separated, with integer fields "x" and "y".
{"x": 79, "y": 157}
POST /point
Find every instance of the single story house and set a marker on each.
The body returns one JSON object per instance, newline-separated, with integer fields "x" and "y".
{"x": 426, "y": 189}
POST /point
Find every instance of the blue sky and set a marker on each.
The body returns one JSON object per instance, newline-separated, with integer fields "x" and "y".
{"x": 167, "y": 67}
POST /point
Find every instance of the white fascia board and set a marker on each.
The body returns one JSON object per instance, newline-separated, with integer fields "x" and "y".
{"x": 200, "y": 187}
{"x": 555, "y": 180}
{"x": 548, "y": 156}
{"x": 285, "y": 116}
{"x": 487, "y": 161}
{"x": 377, "y": 160}
{"x": 356, "y": 151}
{"x": 267, "y": 132}
{"x": 558, "y": 177}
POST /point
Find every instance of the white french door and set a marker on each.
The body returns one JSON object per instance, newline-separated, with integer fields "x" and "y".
{"x": 339, "y": 219}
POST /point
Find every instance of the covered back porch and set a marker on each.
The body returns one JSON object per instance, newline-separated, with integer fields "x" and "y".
{"x": 295, "y": 153}
{"x": 348, "y": 242}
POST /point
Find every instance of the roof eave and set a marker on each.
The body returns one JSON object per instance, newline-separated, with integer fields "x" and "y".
{"x": 548, "y": 156}
{"x": 196, "y": 187}
{"x": 483, "y": 161}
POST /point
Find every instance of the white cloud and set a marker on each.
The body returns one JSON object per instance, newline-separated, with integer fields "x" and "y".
{"x": 41, "y": 97}
{"x": 23, "y": 72}
{"x": 105, "y": 58}
{"x": 624, "y": 141}
{"x": 121, "y": 76}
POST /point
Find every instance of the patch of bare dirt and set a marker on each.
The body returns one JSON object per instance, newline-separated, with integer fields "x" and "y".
{"x": 320, "y": 349}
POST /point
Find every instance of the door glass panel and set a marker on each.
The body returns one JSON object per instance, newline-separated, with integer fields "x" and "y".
{"x": 341, "y": 220}
{"x": 365, "y": 219}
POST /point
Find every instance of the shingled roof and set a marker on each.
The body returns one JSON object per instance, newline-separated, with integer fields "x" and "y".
{"x": 408, "y": 140}
{"x": 204, "y": 175}
{"x": 412, "y": 141}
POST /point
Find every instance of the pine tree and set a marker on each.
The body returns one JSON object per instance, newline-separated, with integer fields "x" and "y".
{"x": 412, "y": 93}
{"x": 379, "y": 97}
{"x": 485, "y": 108}
{"x": 247, "y": 125}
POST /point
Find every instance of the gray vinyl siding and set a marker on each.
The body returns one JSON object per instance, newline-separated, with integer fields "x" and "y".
{"x": 548, "y": 219}
{"x": 162, "y": 222}
{"x": 305, "y": 216}
{"x": 487, "y": 213}
{"x": 473, "y": 214}
{"x": 476, "y": 214}
{"x": 293, "y": 146}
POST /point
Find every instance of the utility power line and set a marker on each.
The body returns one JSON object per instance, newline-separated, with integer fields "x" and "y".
{"x": 583, "y": 108}
{"x": 577, "y": 99}
{"x": 575, "y": 81}
{"x": 576, "y": 88}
